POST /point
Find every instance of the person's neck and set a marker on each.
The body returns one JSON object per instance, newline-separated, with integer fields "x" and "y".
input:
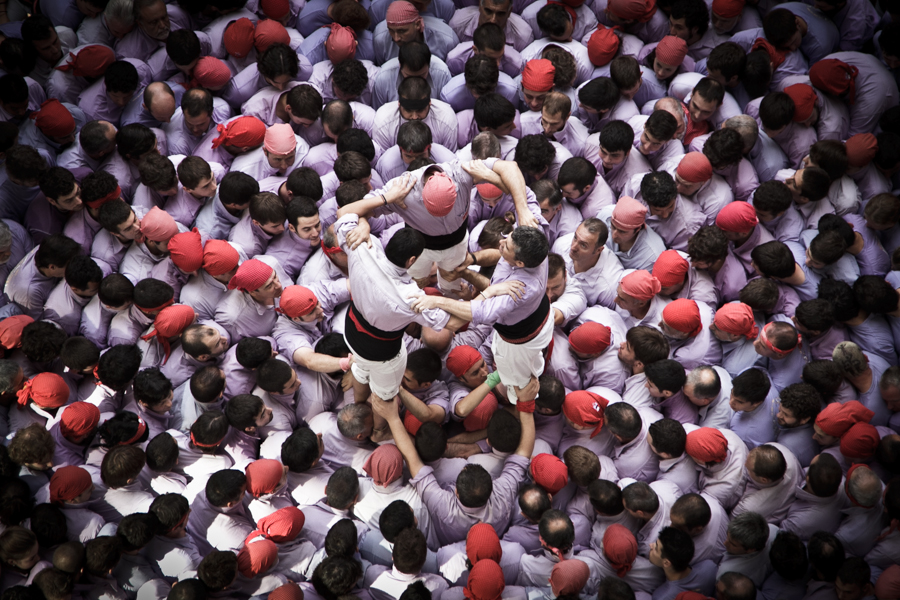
{"x": 626, "y": 246}
{"x": 677, "y": 575}
{"x": 739, "y": 243}
{"x": 796, "y": 278}
{"x": 280, "y": 110}
{"x": 858, "y": 319}
{"x": 862, "y": 382}
{"x": 641, "y": 312}
{"x": 586, "y": 264}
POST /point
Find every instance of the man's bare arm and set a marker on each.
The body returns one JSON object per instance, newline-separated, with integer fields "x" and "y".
{"x": 389, "y": 411}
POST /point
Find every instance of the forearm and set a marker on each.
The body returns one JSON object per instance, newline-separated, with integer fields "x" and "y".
{"x": 558, "y": 317}
{"x": 526, "y": 442}
{"x": 478, "y": 281}
{"x": 405, "y": 445}
{"x": 361, "y": 207}
{"x": 465, "y": 406}
{"x": 463, "y": 310}
{"x": 515, "y": 183}
{"x": 488, "y": 257}
{"x": 419, "y": 409}
{"x": 321, "y": 363}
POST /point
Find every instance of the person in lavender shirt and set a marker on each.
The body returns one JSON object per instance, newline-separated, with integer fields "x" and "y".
{"x": 774, "y": 204}
{"x": 493, "y": 501}
{"x": 31, "y": 281}
{"x": 556, "y": 122}
{"x": 818, "y": 501}
{"x": 487, "y": 39}
{"x": 404, "y": 24}
{"x": 664, "y": 382}
{"x": 414, "y": 140}
{"x": 106, "y": 99}
{"x": 612, "y": 152}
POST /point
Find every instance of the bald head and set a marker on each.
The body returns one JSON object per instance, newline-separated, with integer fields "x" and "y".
{"x": 159, "y": 100}
{"x": 747, "y": 127}
{"x": 864, "y": 486}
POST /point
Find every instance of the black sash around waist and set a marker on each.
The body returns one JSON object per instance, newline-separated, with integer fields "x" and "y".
{"x": 367, "y": 340}
{"x": 528, "y": 328}
{"x": 448, "y": 240}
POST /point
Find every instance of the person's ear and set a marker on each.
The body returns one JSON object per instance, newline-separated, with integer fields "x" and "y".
{"x": 667, "y": 394}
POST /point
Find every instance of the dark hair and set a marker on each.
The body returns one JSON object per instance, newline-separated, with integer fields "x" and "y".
{"x": 531, "y": 246}
{"x": 395, "y": 517}
{"x": 136, "y": 531}
{"x": 242, "y": 410}
{"x": 273, "y": 375}
{"x": 351, "y": 77}
{"x": 207, "y": 384}
{"x": 183, "y": 47}
{"x": 801, "y": 399}
{"x": 403, "y": 245}
{"x": 56, "y": 250}
{"x": 693, "y": 509}
{"x": 493, "y": 111}
{"x": 776, "y": 110}
{"x": 122, "y": 77}
{"x": 415, "y": 56}
{"x": 677, "y": 547}
{"x": 751, "y": 385}
{"x": 534, "y": 154}
{"x": 121, "y": 465}
{"x": 336, "y": 576}
{"x": 474, "y": 486}
{"x": 431, "y": 442}
{"x": 606, "y": 497}
{"x": 600, "y": 93}
{"x": 116, "y": 290}
{"x": 774, "y": 259}
{"x": 842, "y": 298}
{"x": 102, "y": 554}
{"x": 649, "y": 344}
{"x": 825, "y": 475}
{"x": 772, "y": 196}
{"x": 825, "y": 376}
{"x": 625, "y": 72}
{"x": 352, "y": 139}
{"x": 874, "y": 294}
{"x": 669, "y": 437}
{"x": 410, "y": 551}
{"x": 504, "y": 431}
{"x": 557, "y": 530}
{"x": 119, "y": 365}
{"x": 225, "y": 486}
{"x": 769, "y": 462}
{"x": 617, "y": 136}
{"x": 788, "y": 556}
{"x": 278, "y": 59}
{"x": 709, "y": 244}
{"x": 342, "y": 489}
{"x": 826, "y": 554}
{"x": 16, "y": 501}
{"x": 533, "y": 501}
{"x": 780, "y": 25}
{"x": 724, "y": 147}
{"x": 304, "y": 181}
{"x": 300, "y": 450}
{"x": 56, "y": 182}
{"x": 210, "y": 430}
{"x": 217, "y": 569}
{"x": 169, "y": 510}
{"x": 623, "y": 420}
{"x": 237, "y": 188}
{"x": 488, "y": 36}
{"x": 577, "y": 171}
{"x": 694, "y": 12}
{"x": 48, "y": 522}
{"x": 815, "y": 314}
{"x": 42, "y": 341}
{"x": 305, "y": 102}
{"x": 658, "y": 189}
{"x": 729, "y": 59}
{"x": 162, "y": 453}
{"x": 661, "y": 124}
{"x": 151, "y": 387}
{"x": 341, "y": 539}
{"x": 267, "y": 208}
{"x": 134, "y": 140}
{"x": 81, "y": 272}
{"x": 97, "y": 185}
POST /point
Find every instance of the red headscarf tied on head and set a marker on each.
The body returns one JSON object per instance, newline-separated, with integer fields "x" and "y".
{"x": 211, "y": 73}
{"x": 78, "y": 420}
{"x": 238, "y": 37}
{"x": 461, "y": 359}
{"x": 736, "y": 318}
{"x": 861, "y": 149}
{"x": 620, "y": 547}
{"x": 568, "y": 577}
{"x": 835, "y": 77}
{"x": 283, "y": 525}
{"x": 888, "y": 584}
{"x": 479, "y": 418}
{"x": 549, "y": 472}
{"x": 11, "y": 330}
{"x": 385, "y": 465}
{"x": 671, "y": 50}
{"x": 68, "y": 482}
{"x": 804, "y": 98}
{"x": 92, "y": 61}
{"x": 641, "y": 285}
{"x": 775, "y": 55}
{"x": 401, "y": 12}
{"x": 257, "y": 556}
{"x": 695, "y": 168}
{"x": 683, "y": 315}
{"x": 590, "y": 338}
{"x": 275, "y": 9}
{"x": 707, "y": 444}
{"x": 629, "y": 213}
{"x": 47, "y": 390}
{"x": 54, "y": 119}
{"x": 485, "y": 581}
{"x": 219, "y": 257}
{"x": 243, "y": 132}
{"x": 728, "y": 9}
{"x": 186, "y": 250}
{"x": 289, "y": 591}
{"x": 341, "y": 44}
{"x": 585, "y": 409}
{"x": 482, "y": 543}
{"x": 860, "y": 442}
{"x": 280, "y": 139}
{"x": 250, "y": 276}
{"x": 169, "y": 323}
{"x": 737, "y": 217}
{"x": 263, "y": 476}
{"x": 268, "y": 32}
{"x": 603, "y": 45}
{"x": 158, "y": 225}
{"x": 633, "y": 10}
{"x": 836, "y": 418}
{"x": 297, "y": 301}
{"x": 538, "y": 75}
{"x": 670, "y": 268}
{"x": 439, "y": 194}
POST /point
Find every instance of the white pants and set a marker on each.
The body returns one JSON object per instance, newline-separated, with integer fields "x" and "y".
{"x": 383, "y": 377}
{"x": 518, "y": 363}
{"x": 447, "y": 260}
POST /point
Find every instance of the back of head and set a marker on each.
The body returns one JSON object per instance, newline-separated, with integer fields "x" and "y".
{"x": 557, "y": 531}
{"x": 474, "y": 486}
{"x": 750, "y": 531}
{"x": 623, "y": 421}
{"x": 410, "y": 551}
{"x": 342, "y": 489}
{"x": 826, "y": 554}
{"x": 736, "y": 586}
{"x": 225, "y": 487}
{"x": 341, "y": 539}
{"x": 788, "y": 556}
{"x": 395, "y": 517}
{"x": 677, "y": 547}
{"x": 504, "y": 431}
{"x": 533, "y": 501}
{"x": 606, "y": 497}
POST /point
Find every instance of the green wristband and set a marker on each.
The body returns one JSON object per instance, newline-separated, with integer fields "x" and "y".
{"x": 493, "y": 379}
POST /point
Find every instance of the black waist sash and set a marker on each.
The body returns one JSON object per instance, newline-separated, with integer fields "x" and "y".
{"x": 528, "y": 328}
{"x": 448, "y": 240}
{"x": 367, "y": 340}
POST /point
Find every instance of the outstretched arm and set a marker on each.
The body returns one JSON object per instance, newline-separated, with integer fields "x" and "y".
{"x": 510, "y": 180}
{"x": 389, "y": 411}
{"x": 395, "y": 193}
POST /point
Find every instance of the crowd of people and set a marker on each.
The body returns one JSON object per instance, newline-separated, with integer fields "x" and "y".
{"x": 449, "y": 299}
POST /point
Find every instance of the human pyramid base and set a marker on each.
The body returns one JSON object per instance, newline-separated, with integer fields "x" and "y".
{"x": 449, "y": 300}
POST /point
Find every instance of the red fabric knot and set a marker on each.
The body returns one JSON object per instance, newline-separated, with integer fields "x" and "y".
{"x": 683, "y": 314}
{"x": 707, "y": 445}
{"x": 585, "y": 409}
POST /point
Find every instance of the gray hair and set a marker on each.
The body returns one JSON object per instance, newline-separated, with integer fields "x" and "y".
{"x": 352, "y": 421}
{"x": 706, "y": 382}
{"x": 750, "y": 530}
{"x": 850, "y": 359}
{"x": 485, "y": 145}
{"x": 890, "y": 378}
{"x": 747, "y": 127}
{"x": 865, "y": 487}
{"x": 6, "y": 238}
{"x": 9, "y": 370}
{"x": 121, "y": 11}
